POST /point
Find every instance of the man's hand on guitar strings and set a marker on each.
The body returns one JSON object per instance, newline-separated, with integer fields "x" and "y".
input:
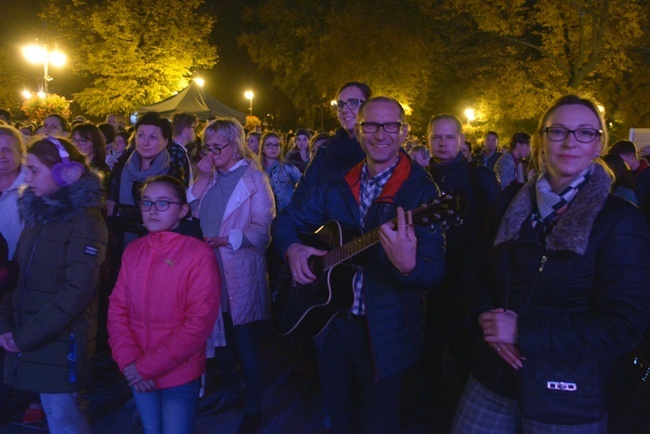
{"x": 400, "y": 242}
{"x": 298, "y": 260}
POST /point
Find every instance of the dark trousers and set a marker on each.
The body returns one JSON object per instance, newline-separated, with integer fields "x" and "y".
{"x": 355, "y": 400}
{"x": 243, "y": 342}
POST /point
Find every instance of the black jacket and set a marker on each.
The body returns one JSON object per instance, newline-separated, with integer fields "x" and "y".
{"x": 588, "y": 278}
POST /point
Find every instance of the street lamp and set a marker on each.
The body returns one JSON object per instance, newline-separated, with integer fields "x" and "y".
{"x": 199, "y": 81}
{"x": 249, "y": 96}
{"x": 469, "y": 113}
{"x": 40, "y": 54}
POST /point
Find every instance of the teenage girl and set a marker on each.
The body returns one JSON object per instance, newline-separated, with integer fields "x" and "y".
{"x": 162, "y": 310}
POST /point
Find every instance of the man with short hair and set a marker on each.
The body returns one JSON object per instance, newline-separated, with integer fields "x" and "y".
{"x": 184, "y": 135}
{"x": 509, "y": 167}
{"x": 627, "y": 150}
{"x": 112, "y": 121}
{"x": 479, "y": 188}
{"x": 490, "y": 149}
{"x": 363, "y": 352}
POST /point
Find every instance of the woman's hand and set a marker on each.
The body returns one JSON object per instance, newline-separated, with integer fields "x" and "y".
{"x": 145, "y": 386}
{"x": 204, "y": 166}
{"x": 215, "y": 242}
{"x": 7, "y": 342}
{"x": 500, "y": 332}
{"x": 132, "y": 375}
{"x": 499, "y": 325}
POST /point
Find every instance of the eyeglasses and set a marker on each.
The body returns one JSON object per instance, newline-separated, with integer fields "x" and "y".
{"x": 214, "y": 149}
{"x": 582, "y": 135}
{"x": 373, "y": 127}
{"x": 161, "y": 205}
{"x": 81, "y": 141}
{"x": 271, "y": 145}
{"x": 352, "y": 103}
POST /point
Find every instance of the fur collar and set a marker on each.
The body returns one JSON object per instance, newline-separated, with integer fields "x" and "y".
{"x": 574, "y": 226}
{"x": 65, "y": 203}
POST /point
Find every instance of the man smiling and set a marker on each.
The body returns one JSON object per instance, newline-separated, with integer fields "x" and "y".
{"x": 363, "y": 351}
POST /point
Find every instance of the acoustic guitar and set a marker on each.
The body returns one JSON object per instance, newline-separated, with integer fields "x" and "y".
{"x": 305, "y": 310}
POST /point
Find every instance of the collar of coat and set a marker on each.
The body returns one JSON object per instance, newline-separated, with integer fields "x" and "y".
{"x": 64, "y": 203}
{"x": 400, "y": 174}
{"x": 574, "y": 226}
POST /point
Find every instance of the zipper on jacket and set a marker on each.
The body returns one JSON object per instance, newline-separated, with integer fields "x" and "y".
{"x": 541, "y": 266}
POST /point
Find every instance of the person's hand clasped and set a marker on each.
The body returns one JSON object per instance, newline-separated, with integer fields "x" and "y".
{"x": 215, "y": 241}
{"x": 500, "y": 332}
{"x": 136, "y": 381}
{"x": 298, "y": 259}
{"x": 399, "y": 241}
{"x": 7, "y": 342}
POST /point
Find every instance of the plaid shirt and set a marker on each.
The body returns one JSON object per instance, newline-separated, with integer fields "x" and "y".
{"x": 371, "y": 187}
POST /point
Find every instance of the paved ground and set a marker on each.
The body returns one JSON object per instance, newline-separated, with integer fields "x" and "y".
{"x": 292, "y": 403}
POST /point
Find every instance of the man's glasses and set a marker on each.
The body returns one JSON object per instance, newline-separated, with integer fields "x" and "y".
{"x": 161, "y": 205}
{"x": 583, "y": 135}
{"x": 373, "y": 127}
{"x": 352, "y": 103}
{"x": 216, "y": 150}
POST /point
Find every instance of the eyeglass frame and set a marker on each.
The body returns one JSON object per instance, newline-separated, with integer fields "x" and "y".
{"x": 214, "y": 149}
{"x": 83, "y": 141}
{"x": 599, "y": 133}
{"x": 154, "y": 203}
{"x": 340, "y": 104}
{"x": 399, "y": 125}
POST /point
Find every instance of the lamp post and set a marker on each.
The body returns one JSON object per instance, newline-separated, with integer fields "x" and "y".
{"x": 41, "y": 54}
{"x": 249, "y": 96}
{"x": 469, "y": 113}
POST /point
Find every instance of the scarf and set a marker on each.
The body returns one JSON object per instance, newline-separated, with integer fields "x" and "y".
{"x": 132, "y": 174}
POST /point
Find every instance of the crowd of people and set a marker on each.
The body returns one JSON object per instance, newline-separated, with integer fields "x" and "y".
{"x": 168, "y": 247}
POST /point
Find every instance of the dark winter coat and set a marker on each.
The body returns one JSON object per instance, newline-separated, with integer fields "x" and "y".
{"x": 394, "y": 302}
{"x": 589, "y": 279}
{"x": 54, "y": 308}
{"x": 333, "y": 158}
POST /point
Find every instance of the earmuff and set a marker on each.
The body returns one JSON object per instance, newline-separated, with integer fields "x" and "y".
{"x": 66, "y": 172}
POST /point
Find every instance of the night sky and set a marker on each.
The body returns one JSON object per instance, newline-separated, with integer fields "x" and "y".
{"x": 233, "y": 74}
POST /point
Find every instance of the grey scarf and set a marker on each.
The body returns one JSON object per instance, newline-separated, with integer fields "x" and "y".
{"x": 132, "y": 173}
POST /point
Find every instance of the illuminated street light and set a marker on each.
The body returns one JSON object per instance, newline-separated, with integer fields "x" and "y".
{"x": 199, "y": 81}
{"x": 41, "y": 94}
{"x": 40, "y": 54}
{"x": 249, "y": 96}
{"x": 469, "y": 113}
{"x": 26, "y": 94}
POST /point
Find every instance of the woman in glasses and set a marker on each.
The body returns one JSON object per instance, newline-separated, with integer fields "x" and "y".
{"x": 341, "y": 151}
{"x": 234, "y": 202}
{"x": 89, "y": 140}
{"x": 558, "y": 287}
{"x": 162, "y": 311}
{"x": 283, "y": 176}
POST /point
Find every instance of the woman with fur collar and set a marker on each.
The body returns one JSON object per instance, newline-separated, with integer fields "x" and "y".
{"x": 48, "y": 324}
{"x": 558, "y": 288}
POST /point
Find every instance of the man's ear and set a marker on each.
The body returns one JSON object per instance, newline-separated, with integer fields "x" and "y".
{"x": 357, "y": 132}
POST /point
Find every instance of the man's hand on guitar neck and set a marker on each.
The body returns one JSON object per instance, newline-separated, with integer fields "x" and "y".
{"x": 298, "y": 257}
{"x": 399, "y": 242}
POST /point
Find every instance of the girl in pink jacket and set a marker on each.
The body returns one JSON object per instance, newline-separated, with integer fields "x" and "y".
{"x": 162, "y": 310}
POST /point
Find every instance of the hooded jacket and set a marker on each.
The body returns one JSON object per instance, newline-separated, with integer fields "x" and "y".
{"x": 53, "y": 311}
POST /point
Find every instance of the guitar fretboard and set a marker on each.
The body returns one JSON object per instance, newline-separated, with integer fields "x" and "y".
{"x": 346, "y": 251}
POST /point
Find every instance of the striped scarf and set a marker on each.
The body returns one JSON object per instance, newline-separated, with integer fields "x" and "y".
{"x": 551, "y": 205}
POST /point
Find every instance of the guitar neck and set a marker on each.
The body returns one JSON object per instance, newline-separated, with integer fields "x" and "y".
{"x": 351, "y": 248}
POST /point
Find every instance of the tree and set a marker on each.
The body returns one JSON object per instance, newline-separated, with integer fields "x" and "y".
{"x": 135, "y": 52}
{"x": 37, "y": 108}
{"x": 10, "y": 81}
{"x": 313, "y": 47}
{"x": 523, "y": 53}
